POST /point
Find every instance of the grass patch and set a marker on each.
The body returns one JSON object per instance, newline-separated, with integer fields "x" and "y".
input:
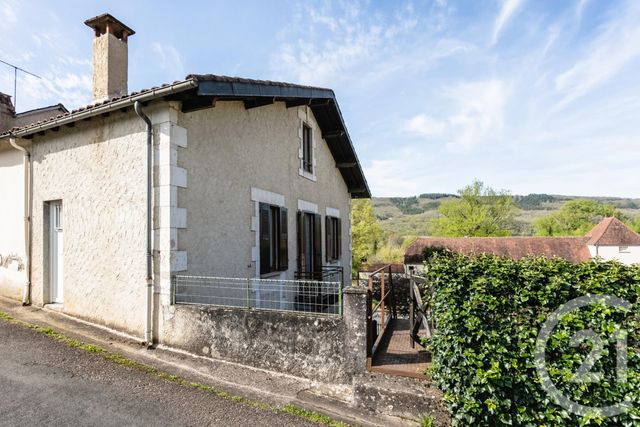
{"x": 310, "y": 415}
{"x": 157, "y": 373}
{"x": 427, "y": 421}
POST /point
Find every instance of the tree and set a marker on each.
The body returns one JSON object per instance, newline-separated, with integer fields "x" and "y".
{"x": 480, "y": 211}
{"x": 635, "y": 224}
{"x": 366, "y": 233}
{"x": 574, "y": 218}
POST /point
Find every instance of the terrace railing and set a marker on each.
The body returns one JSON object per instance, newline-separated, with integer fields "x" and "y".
{"x": 379, "y": 313}
{"x": 308, "y": 296}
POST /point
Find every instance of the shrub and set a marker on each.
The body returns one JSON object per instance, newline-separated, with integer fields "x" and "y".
{"x": 488, "y": 312}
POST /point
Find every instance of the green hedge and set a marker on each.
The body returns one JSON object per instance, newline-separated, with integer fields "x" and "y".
{"x": 488, "y": 312}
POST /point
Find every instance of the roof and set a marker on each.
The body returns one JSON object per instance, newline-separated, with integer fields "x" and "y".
{"x": 6, "y": 101}
{"x": 202, "y": 91}
{"x": 101, "y": 22}
{"x": 31, "y": 116}
{"x": 612, "y": 232}
{"x": 573, "y": 249}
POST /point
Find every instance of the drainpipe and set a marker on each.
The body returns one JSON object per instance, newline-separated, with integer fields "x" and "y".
{"x": 148, "y": 333}
{"x": 26, "y": 292}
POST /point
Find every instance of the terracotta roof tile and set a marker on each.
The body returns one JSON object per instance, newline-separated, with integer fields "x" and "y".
{"x": 612, "y": 232}
{"x": 573, "y": 249}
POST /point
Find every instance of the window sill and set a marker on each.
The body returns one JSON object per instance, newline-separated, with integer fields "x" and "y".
{"x": 307, "y": 175}
{"x": 272, "y": 275}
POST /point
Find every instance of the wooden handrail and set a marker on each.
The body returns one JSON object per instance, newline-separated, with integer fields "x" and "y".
{"x": 385, "y": 296}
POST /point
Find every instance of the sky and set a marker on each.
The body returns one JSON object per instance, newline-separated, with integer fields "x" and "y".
{"x": 526, "y": 96}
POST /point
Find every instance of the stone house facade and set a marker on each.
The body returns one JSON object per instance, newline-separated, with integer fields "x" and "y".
{"x": 211, "y": 176}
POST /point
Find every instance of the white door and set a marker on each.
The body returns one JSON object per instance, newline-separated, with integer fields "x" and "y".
{"x": 55, "y": 251}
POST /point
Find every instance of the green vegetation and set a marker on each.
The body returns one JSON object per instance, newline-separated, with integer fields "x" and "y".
{"x": 533, "y": 201}
{"x": 574, "y": 218}
{"x": 480, "y": 211}
{"x": 407, "y": 205}
{"x": 494, "y": 308}
{"x": 157, "y": 373}
{"x": 528, "y": 208}
{"x": 365, "y": 230}
{"x": 427, "y": 421}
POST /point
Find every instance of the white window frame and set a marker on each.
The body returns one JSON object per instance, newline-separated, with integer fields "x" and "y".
{"x": 303, "y": 115}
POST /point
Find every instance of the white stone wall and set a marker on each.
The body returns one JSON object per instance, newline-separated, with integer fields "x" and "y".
{"x": 13, "y": 273}
{"x": 231, "y": 151}
{"x": 628, "y": 254}
{"x": 98, "y": 170}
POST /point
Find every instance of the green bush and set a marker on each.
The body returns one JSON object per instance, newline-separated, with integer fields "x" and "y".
{"x": 488, "y": 312}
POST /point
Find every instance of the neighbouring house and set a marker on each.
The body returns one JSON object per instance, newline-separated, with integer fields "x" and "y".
{"x": 147, "y": 211}
{"x": 609, "y": 240}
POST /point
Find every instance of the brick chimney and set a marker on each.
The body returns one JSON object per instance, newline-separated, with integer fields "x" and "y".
{"x": 7, "y": 113}
{"x": 110, "y": 57}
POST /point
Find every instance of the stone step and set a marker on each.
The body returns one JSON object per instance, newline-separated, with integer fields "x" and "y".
{"x": 403, "y": 397}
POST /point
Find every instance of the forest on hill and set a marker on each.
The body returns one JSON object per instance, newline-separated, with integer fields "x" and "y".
{"x": 411, "y": 216}
{"x": 383, "y": 227}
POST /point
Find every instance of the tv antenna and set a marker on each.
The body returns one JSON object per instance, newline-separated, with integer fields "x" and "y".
{"x": 15, "y": 80}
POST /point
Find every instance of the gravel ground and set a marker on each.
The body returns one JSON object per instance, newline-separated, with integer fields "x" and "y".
{"x": 43, "y": 381}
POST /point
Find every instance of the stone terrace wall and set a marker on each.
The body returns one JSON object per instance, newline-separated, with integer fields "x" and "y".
{"x": 328, "y": 349}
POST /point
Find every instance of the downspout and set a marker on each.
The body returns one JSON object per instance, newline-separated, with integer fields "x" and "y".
{"x": 26, "y": 292}
{"x": 148, "y": 323}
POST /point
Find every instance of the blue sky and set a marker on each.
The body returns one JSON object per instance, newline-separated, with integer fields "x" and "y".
{"x": 529, "y": 96}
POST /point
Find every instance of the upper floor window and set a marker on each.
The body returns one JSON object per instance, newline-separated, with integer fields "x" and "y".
{"x": 273, "y": 239}
{"x": 307, "y": 149}
{"x": 623, "y": 249}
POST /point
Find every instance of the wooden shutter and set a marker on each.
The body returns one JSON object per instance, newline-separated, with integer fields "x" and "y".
{"x": 327, "y": 238}
{"x": 265, "y": 244}
{"x": 339, "y": 238}
{"x": 317, "y": 245}
{"x": 300, "y": 228}
{"x": 283, "y": 250}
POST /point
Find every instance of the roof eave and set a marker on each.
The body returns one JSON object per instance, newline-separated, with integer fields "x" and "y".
{"x": 149, "y": 95}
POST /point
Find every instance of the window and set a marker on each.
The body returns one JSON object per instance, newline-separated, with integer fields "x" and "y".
{"x": 309, "y": 244}
{"x": 623, "y": 249}
{"x": 273, "y": 239}
{"x": 333, "y": 235}
{"x": 307, "y": 149}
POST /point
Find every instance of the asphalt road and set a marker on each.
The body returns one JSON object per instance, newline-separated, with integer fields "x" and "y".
{"x": 45, "y": 382}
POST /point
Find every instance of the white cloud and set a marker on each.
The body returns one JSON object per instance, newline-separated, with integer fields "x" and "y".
{"x": 7, "y": 13}
{"x": 333, "y": 40}
{"x": 509, "y": 7}
{"x": 170, "y": 60}
{"x": 615, "y": 46}
{"x": 426, "y": 126}
{"x": 477, "y": 114}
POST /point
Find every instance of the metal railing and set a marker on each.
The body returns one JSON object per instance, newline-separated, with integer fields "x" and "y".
{"x": 377, "y": 316}
{"x": 307, "y": 296}
{"x": 420, "y": 314}
{"x": 327, "y": 273}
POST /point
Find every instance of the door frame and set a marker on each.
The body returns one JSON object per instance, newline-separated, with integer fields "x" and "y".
{"x": 55, "y": 252}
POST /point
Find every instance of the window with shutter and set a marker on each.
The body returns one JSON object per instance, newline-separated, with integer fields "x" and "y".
{"x": 333, "y": 238}
{"x": 310, "y": 244}
{"x": 273, "y": 238}
{"x": 283, "y": 253}
{"x": 317, "y": 244}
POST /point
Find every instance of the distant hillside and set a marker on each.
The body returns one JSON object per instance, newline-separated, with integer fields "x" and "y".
{"x": 409, "y": 216}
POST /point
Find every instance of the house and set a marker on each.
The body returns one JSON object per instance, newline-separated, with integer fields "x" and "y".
{"x": 609, "y": 240}
{"x": 145, "y": 209}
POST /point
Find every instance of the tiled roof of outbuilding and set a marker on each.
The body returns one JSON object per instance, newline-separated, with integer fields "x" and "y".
{"x": 573, "y": 249}
{"x": 612, "y": 232}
